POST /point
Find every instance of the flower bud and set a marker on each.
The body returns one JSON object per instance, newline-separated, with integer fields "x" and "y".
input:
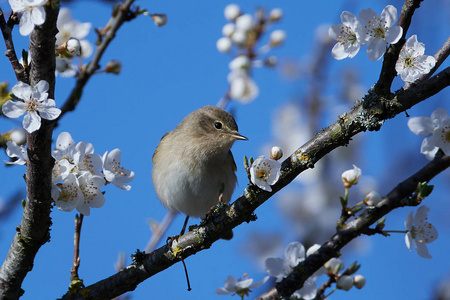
{"x": 353, "y": 268}
{"x": 277, "y": 38}
{"x": 240, "y": 62}
{"x": 159, "y": 19}
{"x": 18, "y": 136}
{"x": 232, "y": 11}
{"x": 223, "y": 44}
{"x": 74, "y": 46}
{"x": 372, "y": 199}
{"x": 345, "y": 283}
{"x": 351, "y": 177}
{"x": 245, "y": 22}
{"x": 239, "y": 37}
{"x": 276, "y": 153}
{"x": 359, "y": 281}
{"x": 228, "y": 29}
{"x": 271, "y": 61}
{"x": 113, "y": 66}
{"x": 334, "y": 265}
{"x": 275, "y": 14}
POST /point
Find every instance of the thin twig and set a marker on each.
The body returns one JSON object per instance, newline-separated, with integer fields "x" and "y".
{"x": 76, "y": 251}
{"x": 160, "y": 231}
{"x": 71, "y": 102}
{"x": 10, "y": 50}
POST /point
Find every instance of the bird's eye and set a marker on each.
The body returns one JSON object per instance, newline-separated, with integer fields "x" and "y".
{"x": 218, "y": 125}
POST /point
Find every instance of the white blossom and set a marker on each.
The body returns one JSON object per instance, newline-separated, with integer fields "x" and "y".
{"x": 34, "y": 102}
{"x": 277, "y": 37}
{"x": 420, "y": 231}
{"x": 351, "y": 177}
{"x": 349, "y": 36}
{"x": 281, "y": 268}
{"x": 438, "y": 126}
{"x": 114, "y": 172}
{"x": 31, "y": 13}
{"x": 265, "y": 172}
{"x": 242, "y": 86}
{"x": 412, "y": 63}
{"x": 380, "y": 30}
{"x": 241, "y": 287}
{"x": 372, "y": 198}
{"x": 18, "y": 152}
{"x": 232, "y": 11}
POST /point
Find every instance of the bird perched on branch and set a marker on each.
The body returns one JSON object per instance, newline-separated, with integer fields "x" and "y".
{"x": 193, "y": 166}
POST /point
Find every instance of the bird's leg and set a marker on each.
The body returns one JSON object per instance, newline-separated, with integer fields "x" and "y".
{"x": 184, "y": 225}
{"x": 171, "y": 238}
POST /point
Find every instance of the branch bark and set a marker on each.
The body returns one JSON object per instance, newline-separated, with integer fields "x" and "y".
{"x": 33, "y": 231}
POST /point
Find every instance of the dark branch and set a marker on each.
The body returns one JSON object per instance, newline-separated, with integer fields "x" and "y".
{"x": 33, "y": 231}
{"x": 10, "y": 51}
{"x": 400, "y": 196}
{"x": 388, "y": 73}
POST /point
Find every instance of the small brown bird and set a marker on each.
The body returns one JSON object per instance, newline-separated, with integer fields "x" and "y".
{"x": 193, "y": 165}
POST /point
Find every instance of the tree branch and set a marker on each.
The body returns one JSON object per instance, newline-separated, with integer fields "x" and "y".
{"x": 10, "y": 51}
{"x": 123, "y": 15}
{"x": 369, "y": 114}
{"x": 388, "y": 73}
{"x": 398, "y": 197}
{"x": 33, "y": 231}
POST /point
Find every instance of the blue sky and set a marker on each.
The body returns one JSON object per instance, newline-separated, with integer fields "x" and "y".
{"x": 168, "y": 72}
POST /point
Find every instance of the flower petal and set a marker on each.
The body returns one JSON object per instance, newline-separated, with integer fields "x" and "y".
{"x": 408, "y": 240}
{"x": 13, "y": 109}
{"x": 409, "y": 221}
{"x": 376, "y": 49}
{"x": 294, "y": 253}
{"x": 393, "y": 35}
{"x": 389, "y": 15}
{"x": 22, "y": 91}
{"x": 338, "y": 52}
{"x": 38, "y": 15}
{"x": 422, "y": 126}
{"x": 26, "y": 26}
{"x": 367, "y": 15}
{"x": 422, "y": 249}
{"x": 276, "y": 267}
{"x": 31, "y": 122}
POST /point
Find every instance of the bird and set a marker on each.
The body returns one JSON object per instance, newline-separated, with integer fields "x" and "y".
{"x": 193, "y": 167}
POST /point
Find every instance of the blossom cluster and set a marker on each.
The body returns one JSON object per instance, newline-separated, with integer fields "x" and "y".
{"x": 375, "y": 30}
{"x": 242, "y": 33}
{"x": 295, "y": 253}
{"x": 378, "y": 31}
{"x": 79, "y": 173}
{"x": 70, "y": 39}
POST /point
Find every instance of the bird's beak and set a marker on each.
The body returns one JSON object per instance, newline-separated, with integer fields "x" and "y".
{"x": 238, "y": 136}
